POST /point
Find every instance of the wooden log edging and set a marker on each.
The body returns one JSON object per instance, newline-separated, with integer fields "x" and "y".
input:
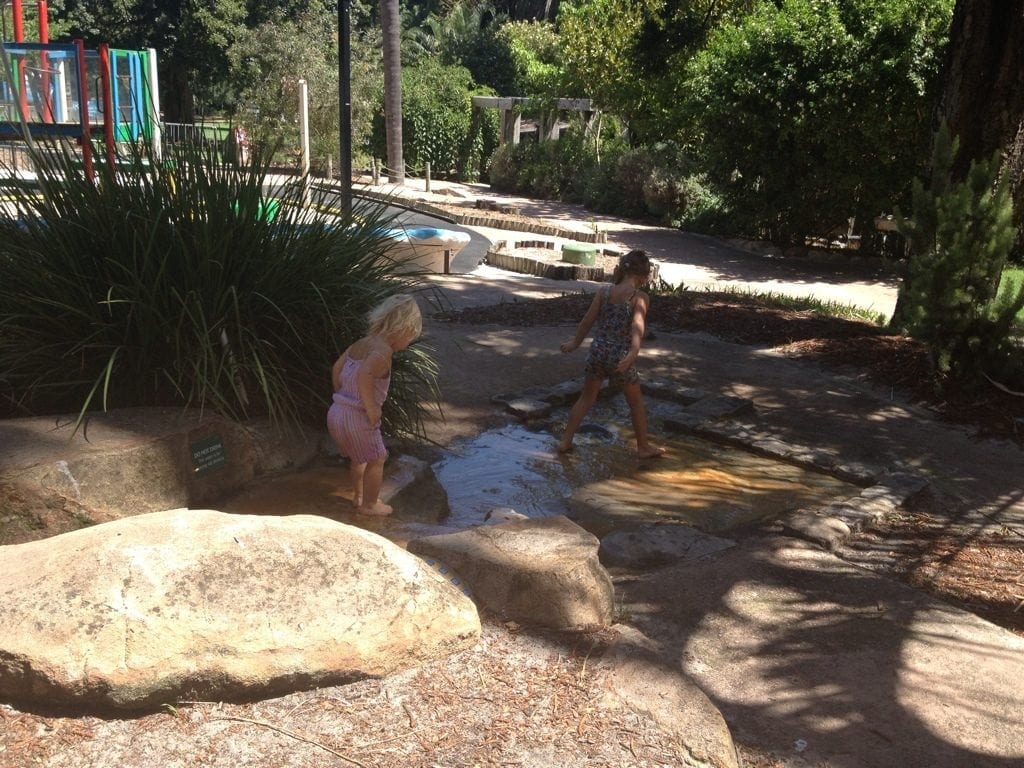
{"x": 498, "y": 255}
{"x": 527, "y": 266}
{"x": 482, "y": 220}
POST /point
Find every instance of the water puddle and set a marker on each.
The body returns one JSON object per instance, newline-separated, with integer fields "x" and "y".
{"x": 603, "y": 486}
{"x": 513, "y": 467}
{"x": 325, "y": 490}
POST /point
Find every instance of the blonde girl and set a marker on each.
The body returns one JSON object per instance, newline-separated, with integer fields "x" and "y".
{"x": 360, "y": 379}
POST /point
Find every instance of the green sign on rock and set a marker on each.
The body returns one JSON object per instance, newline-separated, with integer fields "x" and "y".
{"x": 208, "y": 454}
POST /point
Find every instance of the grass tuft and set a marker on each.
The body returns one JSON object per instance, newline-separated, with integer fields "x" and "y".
{"x": 771, "y": 299}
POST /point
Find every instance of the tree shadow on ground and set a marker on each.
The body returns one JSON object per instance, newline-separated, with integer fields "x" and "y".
{"x": 798, "y": 648}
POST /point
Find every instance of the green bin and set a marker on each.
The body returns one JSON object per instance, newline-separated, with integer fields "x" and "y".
{"x": 583, "y": 254}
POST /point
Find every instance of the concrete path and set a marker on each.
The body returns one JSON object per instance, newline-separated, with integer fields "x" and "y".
{"x": 824, "y": 664}
{"x": 696, "y": 261}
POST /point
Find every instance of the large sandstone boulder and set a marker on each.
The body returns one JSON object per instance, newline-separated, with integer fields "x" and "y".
{"x": 188, "y": 604}
{"x": 56, "y": 477}
{"x": 543, "y": 572}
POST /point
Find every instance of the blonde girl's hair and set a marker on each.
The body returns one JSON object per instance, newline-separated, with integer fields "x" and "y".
{"x": 396, "y": 314}
{"x": 636, "y": 263}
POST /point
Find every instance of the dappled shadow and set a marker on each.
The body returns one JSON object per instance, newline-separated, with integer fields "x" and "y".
{"x": 790, "y": 643}
{"x": 806, "y": 654}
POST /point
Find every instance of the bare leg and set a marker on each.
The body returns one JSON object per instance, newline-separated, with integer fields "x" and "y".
{"x": 637, "y": 412}
{"x": 355, "y": 472}
{"x": 372, "y": 480}
{"x": 587, "y": 398}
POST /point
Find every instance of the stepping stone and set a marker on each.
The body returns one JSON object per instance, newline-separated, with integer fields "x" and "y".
{"x": 526, "y": 408}
{"x": 672, "y": 391}
{"x": 722, "y": 407}
{"x": 542, "y": 572}
{"x": 651, "y": 546}
{"x": 822, "y": 529}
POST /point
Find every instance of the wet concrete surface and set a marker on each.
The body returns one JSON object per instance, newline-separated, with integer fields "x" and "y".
{"x": 601, "y": 484}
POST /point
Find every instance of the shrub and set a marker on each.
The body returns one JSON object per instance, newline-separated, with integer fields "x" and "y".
{"x": 171, "y": 285}
{"x": 480, "y": 143}
{"x": 808, "y": 112}
{"x": 656, "y": 181}
{"x": 960, "y": 237}
{"x": 501, "y": 169}
{"x": 437, "y": 121}
{"x": 535, "y": 53}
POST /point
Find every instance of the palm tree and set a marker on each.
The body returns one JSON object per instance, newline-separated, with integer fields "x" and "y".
{"x": 392, "y": 30}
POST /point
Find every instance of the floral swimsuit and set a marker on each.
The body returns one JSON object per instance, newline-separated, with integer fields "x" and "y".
{"x": 612, "y": 340}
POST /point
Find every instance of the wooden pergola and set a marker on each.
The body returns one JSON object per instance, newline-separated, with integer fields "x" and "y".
{"x": 511, "y": 108}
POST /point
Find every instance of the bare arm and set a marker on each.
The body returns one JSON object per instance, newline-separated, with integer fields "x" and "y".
{"x": 585, "y": 324}
{"x": 636, "y": 334}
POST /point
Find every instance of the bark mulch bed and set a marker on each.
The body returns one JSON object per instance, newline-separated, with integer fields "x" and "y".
{"x": 528, "y": 699}
{"x": 982, "y": 574}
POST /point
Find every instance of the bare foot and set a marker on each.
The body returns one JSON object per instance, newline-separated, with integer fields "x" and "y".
{"x": 357, "y": 501}
{"x": 377, "y": 509}
{"x": 650, "y": 452}
{"x": 563, "y": 448}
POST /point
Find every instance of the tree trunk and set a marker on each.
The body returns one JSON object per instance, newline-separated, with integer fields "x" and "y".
{"x": 983, "y": 99}
{"x": 176, "y": 94}
{"x": 392, "y": 30}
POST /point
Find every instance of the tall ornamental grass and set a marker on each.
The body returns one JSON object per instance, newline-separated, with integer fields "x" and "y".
{"x": 180, "y": 283}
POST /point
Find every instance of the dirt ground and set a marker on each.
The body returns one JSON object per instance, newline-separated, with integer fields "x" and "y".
{"x": 538, "y": 699}
{"x": 983, "y": 574}
{"x": 519, "y": 699}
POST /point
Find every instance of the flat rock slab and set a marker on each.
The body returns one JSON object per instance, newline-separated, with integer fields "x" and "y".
{"x": 826, "y": 663}
{"x": 543, "y": 572}
{"x": 202, "y": 604}
{"x": 651, "y": 546}
{"x": 657, "y": 688}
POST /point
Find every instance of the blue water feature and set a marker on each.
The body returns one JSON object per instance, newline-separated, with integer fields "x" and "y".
{"x": 416, "y": 234}
{"x": 424, "y": 233}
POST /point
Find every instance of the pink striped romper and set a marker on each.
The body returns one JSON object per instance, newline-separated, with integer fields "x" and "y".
{"x": 347, "y": 421}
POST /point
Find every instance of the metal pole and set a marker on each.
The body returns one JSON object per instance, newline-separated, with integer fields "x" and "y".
{"x": 153, "y": 112}
{"x": 304, "y": 127}
{"x": 345, "y": 106}
{"x": 108, "y": 108}
{"x": 304, "y": 138}
{"x": 83, "y": 108}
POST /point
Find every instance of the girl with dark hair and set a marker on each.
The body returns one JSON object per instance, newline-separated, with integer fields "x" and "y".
{"x": 620, "y": 311}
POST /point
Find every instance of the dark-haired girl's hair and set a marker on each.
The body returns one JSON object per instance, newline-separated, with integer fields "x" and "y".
{"x": 632, "y": 263}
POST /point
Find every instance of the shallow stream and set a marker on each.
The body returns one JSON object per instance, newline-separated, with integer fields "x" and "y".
{"x": 601, "y": 484}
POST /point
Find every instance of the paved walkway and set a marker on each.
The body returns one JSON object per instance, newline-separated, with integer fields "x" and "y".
{"x": 696, "y": 261}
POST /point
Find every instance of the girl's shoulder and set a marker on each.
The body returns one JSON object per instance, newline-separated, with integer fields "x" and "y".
{"x": 369, "y": 346}
{"x": 357, "y": 349}
{"x": 640, "y": 299}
